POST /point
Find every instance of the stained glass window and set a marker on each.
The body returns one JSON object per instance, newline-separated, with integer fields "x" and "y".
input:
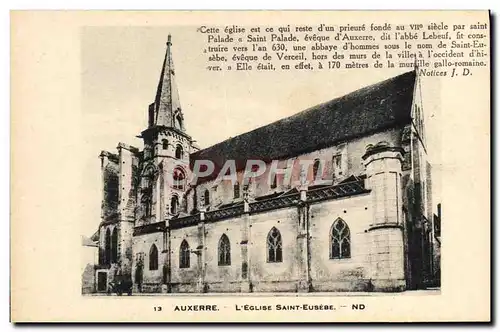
{"x": 153, "y": 258}
{"x": 224, "y": 251}
{"x": 274, "y": 246}
{"x": 184, "y": 255}
{"x": 340, "y": 240}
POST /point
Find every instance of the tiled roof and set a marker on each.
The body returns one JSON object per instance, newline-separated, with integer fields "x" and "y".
{"x": 368, "y": 110}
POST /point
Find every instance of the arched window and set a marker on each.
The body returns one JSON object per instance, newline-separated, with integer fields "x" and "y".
{"x": 107, "y": 247}
{"x": 184, "y": 255}
{"x": 206, "y": 197}
{"x": 274, "y": 246}
{"x": 179, "y": 152}
{"x": 224, "y": 251}
{"x": 148, "y": 180}
{"x": 146, "y": 203}
{"x": 316, "y": 169}
{"x": 274, "y": 181}
{"x": 114, "y": 246}
{"x": 174, "y": 204}
{"x": 236, "y": 189}
{"x": 148, "y": 176}
{"x": 164, "y": 144}
{"x": 153, "y": 258}
{"x": 179, "y": 179}
{"x": 337, "y": 166}
{"x": 340, "y": 240}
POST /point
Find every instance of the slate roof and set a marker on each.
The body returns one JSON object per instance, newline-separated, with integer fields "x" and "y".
{"x": 375, "y": 108}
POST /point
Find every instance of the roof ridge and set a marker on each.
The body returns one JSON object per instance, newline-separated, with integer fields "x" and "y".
{"x": 314, "y": 108}
{"x": 379, "y": 106}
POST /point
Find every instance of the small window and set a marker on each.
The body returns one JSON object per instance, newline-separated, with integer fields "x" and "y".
{"x": 274, "y": 246}
{"x": 179, "y": 179}
{"x": 206, "y": 197}
{"x": 340, "y": 240}
{"x": 316, "y": 169}
{"x": 337, "y": 166}
{"x": 179, "y": 152}
{"x": 184, "y": 255}
{"x": 153, "y": 258}
{"x": 174, "y": 204}
{"x": 164, "y": 144}
{"x": 236, "y": 189}
{"x": 224, "y": 251}
{"x": 146, "y": 203}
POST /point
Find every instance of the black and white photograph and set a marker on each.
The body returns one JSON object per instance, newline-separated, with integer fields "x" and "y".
{"x": 250, "y": 166}
{"x": 337, "y": 197}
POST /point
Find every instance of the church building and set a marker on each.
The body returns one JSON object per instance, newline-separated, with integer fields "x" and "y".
{"x": 355, "y": 215}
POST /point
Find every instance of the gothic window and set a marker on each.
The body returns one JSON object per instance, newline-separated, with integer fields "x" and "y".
{"x": 236, "y": 189}
{"x": 179, "y": 179}
{"x": 206, "y": 197}
{"x": 164, "y": 144}
{"x": 184, "y": 255}
{"x": 148, "y": 178}
{"x": 107, "y": 247}
{"x": 114, "y": 246}
{"x": 340, "y": 240}
{"x": 146, "y": 202}
{"x": 274, "y": 181}
{"x": 274, "y": 246}
{"x": 111, "y": 188}
{"x": 224, "y": 251}
{"x": 179, "y": 152}
{"x": 153, "y": 258}
{"x": 337, "y": 166}
{"x": 174, "y": 204}
{"x": 315, "y": 169}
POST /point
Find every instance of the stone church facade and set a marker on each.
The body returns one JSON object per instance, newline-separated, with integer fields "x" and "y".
{"x": 357, "y": 218}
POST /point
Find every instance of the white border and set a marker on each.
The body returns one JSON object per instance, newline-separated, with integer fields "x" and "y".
{"x": 8, "y": 5}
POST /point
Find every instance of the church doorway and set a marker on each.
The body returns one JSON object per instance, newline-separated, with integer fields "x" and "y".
{"x": 138, "y": 277}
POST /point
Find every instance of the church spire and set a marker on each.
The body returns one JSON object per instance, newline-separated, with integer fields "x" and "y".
{"x": 166, "y": 109}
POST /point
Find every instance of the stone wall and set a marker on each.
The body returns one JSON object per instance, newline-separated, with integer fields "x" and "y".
{"x": 280, "y": 276}
{"x": 151, "y": 279}
{"x": 352, "y": 164}
{"x": 223, "y": 278}
{"x": 350, "y": 274}
{"x": 184, "y": 279}
{"x": 127, "y": 202}
{"x": 340, "y": 274}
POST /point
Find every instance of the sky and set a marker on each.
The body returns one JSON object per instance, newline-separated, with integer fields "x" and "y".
{"x": 120, "y": 69}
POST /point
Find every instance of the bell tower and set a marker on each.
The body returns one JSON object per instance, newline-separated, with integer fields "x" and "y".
{"x": 163, "y": 176}
{"x": 166, "y": 109}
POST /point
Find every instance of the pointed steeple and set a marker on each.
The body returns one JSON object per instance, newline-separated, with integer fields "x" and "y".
{"x": 166, "y": 109}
